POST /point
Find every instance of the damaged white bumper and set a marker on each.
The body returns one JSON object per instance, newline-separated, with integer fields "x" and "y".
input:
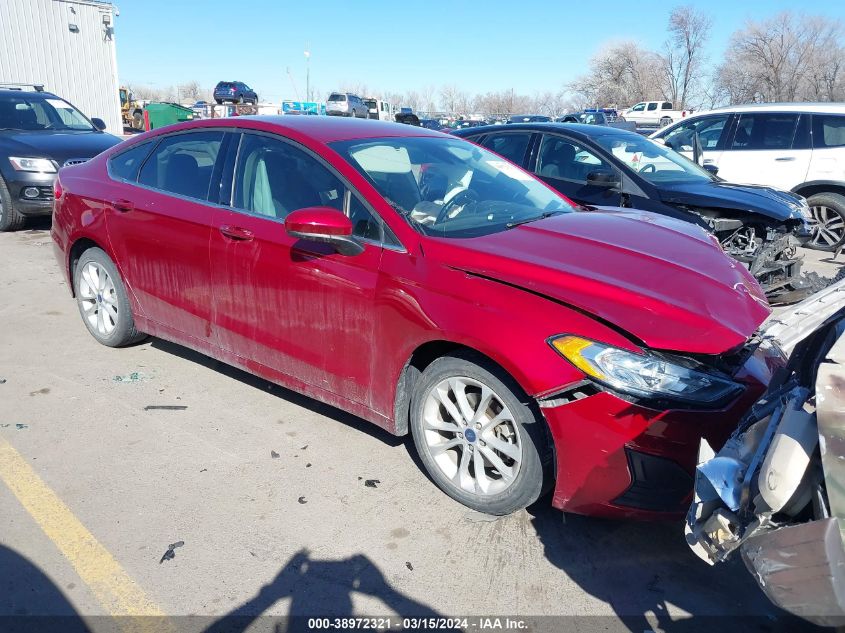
{"x": 776, "y": 490}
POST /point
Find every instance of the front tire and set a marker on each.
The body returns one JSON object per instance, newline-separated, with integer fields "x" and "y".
{"x": 10, "y": 218}
{"x": 102, "y": 300}
{"x": 828, "y": 210}
{"x": 478, "y": 437}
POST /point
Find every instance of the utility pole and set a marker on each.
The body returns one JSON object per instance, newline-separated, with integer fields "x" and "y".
{"x": 307, "y": 72}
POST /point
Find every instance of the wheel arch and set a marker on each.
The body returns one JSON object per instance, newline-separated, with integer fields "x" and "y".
{"x": 79, "y": 246}
{"x": 421, "y": 357}
{"x": 814, "y": 187}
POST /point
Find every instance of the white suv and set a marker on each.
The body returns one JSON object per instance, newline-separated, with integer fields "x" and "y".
{"x": 795, "y": 146}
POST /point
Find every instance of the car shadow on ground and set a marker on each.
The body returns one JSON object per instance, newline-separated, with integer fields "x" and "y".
{"x": 333, "y": 413}
{"x": 644, "y": 569}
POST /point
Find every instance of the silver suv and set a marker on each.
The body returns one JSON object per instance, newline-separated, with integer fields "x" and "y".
{"x": 346, "y": 104}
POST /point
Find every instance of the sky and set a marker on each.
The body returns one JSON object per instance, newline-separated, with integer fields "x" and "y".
{"x": 397, "y": 46}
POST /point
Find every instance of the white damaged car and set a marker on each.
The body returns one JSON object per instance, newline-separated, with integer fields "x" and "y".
{"x": 776, "y": 490}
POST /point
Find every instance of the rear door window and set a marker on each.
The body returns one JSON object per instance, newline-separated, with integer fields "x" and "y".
{"x": 652, "y": 106}
{"x": 182, "y": 164}
{"x": 765, "y": 130}
{"x": 828, "y": 130}
{"x": 511, "y": 145}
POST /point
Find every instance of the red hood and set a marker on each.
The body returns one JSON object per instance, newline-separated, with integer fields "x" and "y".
{"x": 662, "y": 280}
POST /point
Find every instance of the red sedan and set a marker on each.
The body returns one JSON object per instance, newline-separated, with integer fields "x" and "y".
{"x": 431, "y": 287}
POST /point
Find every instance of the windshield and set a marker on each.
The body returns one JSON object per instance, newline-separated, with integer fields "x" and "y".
{"x": 30, "y": 113}
{"x": 653, "y": 161}
{"x": 451, "y": 188}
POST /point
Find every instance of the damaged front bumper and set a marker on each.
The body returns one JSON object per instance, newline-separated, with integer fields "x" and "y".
{"x": 776, "y": 490}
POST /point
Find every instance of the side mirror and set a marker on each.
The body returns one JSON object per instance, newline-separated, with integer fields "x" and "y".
{"x": 99, "y": 124}
{"x": 711, "y": 168}
{"x": 603, "y": 178}
{"x": 326, "y": 225}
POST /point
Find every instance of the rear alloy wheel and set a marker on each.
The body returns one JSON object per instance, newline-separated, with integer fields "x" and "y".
{"x": 102, "y": 300}
{"x": 665, "y": 121}
{"x": 828, "y": 210}
{"x": 10, "y": 218}
{"x": 479, "y": 441}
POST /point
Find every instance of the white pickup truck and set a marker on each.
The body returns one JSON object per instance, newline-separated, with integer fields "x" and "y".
{"x": 648, "y": 113}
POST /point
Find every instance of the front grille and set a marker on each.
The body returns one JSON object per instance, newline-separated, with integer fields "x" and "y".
{"x": 74, "y": 161}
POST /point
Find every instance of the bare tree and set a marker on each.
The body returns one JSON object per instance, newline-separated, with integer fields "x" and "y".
{"x": 620, "y": 74}
{"x": 190, "y": 91}
{"x": 683, "y": 54}
{"x": 785, "y": 58}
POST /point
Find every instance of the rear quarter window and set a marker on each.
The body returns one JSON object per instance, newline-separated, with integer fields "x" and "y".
{"x": 125, "y": 165}
{"x": 829, "y": 130}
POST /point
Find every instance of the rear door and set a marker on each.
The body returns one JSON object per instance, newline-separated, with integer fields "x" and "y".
{"x": 768, "y": 148}
{"x": 296, "y": 307}
{"x": 564, "y": 163}
{"x": 828, "y": 158}
{"x": 159, "y": 223}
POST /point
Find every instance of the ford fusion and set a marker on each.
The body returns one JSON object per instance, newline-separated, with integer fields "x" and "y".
{"x": 427, "y": 285}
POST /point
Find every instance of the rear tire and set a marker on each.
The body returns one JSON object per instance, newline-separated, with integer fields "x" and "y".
{"x": 219, "y": 101}
{"x": 488, "y": 454}
{"x": 828, "y": 209}
{"x": 10, "y": 218}
{"x": 665, "y": 121}
{"x": 102, "y": 300}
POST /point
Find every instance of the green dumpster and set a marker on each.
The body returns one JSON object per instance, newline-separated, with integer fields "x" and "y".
{"x": 158, "y": 115}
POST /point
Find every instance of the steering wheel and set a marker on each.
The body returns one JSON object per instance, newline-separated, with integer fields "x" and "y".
{"x": 648, "y": 168}
{"x": 462, "y": 197}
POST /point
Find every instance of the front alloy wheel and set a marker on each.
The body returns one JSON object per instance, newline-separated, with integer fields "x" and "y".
{"x": 480, "y": 438}
{"x": 829, "y": 213}
{"x": 471, "y": 436}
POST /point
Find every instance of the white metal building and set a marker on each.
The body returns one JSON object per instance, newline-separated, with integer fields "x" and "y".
{"x": 66, "y": 45}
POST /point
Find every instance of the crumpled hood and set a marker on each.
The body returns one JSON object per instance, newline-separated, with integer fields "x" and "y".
{"x": 56, "y": 145}
{"x": 772, "y": 203}
{"x": 664, "y": 281}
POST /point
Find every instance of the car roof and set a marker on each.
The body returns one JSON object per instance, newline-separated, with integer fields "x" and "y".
{"x": 581, "y": 130}
{"x": 820, "y": 107}
{"x": 6, "y": 92}
{"x": 324, "y": 129}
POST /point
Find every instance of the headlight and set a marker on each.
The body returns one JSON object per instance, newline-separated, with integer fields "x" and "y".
{"x": 804, "y": 209}
{"x": 44, "y": 165}
{"x": 645, "y": 375}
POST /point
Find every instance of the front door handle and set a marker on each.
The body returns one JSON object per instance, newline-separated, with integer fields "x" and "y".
{"x": 785, "y": 159}
{"x": 123, "y": 205}
{"x": 236, "y": 233}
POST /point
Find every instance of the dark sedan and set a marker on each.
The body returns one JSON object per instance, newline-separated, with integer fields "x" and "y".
{"x": 601, "y": 166}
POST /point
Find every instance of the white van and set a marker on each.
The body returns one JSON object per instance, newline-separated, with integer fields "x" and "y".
{"x": 794, "y": 146}
{"x": 379, "y": 109}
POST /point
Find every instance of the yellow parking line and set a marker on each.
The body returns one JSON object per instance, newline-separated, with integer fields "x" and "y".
{"x": 118, "y": 594}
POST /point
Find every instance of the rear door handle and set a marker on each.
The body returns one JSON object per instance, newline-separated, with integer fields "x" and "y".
{"x": 785, "y": 159}
{"x": 123, "y": 205}
{"x": 709, "y": 161}
{"x": 236, "y": 233}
